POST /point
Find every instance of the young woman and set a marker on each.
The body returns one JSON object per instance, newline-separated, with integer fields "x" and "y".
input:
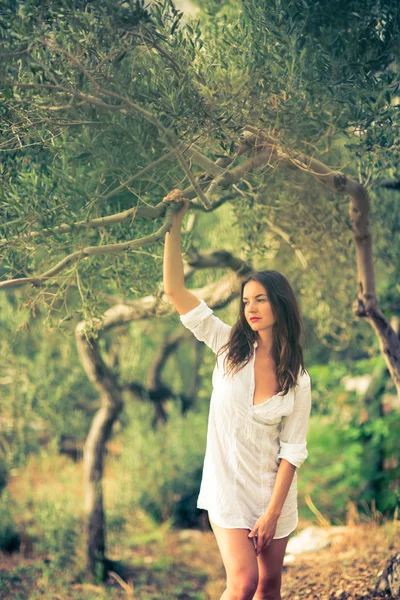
{"x": 257, "y": 425}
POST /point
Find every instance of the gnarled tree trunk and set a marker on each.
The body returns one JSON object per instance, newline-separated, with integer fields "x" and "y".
{"x": 94, "y": 449}
{"x": 389, "y": 579}
{"x": 217, "y": 295}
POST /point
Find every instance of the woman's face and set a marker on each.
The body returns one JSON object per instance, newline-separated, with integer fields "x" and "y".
{"x": 257, "y": 307}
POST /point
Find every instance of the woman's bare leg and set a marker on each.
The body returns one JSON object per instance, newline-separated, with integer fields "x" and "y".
{"x": 270, "y": 563}
{"x": 240, "y": 562}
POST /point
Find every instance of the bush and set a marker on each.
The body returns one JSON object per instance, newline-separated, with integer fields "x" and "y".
{"x": 160, "y": 471}
{"x": 3, "y": 475}
{"x": 337, "y": 472}
{"x": 9, "y": 536}
{"x": 57, "y": 533}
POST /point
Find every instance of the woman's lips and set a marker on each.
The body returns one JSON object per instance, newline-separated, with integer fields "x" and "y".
{"x": 253, "y": 319}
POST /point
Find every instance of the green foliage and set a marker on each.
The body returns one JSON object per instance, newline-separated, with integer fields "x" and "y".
{"x": 57, "y": 531}
{"x": 337, "y": 473}
{"x": 160, "y": 471}
{"x": 63, "y": 181}
{"x": 323, "y": 79}
{"x": 332, "y": 474}
{"x": 346, "y": 446}
{"x": 45, "y": 392}
{"x": 21, "y": 581}
{"x": 381, "y": 487}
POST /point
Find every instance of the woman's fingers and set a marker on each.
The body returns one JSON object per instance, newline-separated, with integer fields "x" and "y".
{"x": 178, "y": 197}
{"x": 175, "y": 195}
{"x": 260, "y": 545}
{"x": 263, "y": 543}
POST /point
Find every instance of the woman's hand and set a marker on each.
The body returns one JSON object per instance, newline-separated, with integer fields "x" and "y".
{"x": 263, "y": 532}
{"x": 177, "y": 196}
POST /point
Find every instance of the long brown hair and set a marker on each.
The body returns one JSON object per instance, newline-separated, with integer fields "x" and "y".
{"x": 286, "y": 331}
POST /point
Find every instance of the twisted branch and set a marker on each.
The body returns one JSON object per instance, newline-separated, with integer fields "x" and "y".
{"x": 366, "y": 305}
{"x": 93, "y": 251}
{"x": 148, "y": 212}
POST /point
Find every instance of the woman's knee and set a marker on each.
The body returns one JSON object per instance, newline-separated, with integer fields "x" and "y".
{"x": 243, "y": 586}
{"x": 269, "y": 587}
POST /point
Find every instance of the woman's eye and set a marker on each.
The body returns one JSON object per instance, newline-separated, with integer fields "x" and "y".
{"x": 258, "y": 300}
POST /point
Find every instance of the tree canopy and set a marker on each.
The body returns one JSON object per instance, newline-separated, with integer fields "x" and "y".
{"x": 100, "y": 101}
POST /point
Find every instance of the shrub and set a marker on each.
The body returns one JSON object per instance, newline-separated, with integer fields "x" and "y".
{"x": 160, "y": 470}
{"x": 57, "y": 533}
{"x": 3, "y": 475}
{"x": 9, "y": 536}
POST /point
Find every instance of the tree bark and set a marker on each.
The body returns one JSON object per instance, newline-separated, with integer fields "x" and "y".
{"x": 389, "y": 579}
{"x": 94, "y": 449}
{"x": 217, "y": 295}
{"x": 157, "y": 391}
{"x": 187, "y": 400}
{"x": 374, "y": 458}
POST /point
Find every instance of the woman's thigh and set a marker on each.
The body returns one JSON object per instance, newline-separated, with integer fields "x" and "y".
{"x": 238, "y": 554}
{"x": 270, "y": 563}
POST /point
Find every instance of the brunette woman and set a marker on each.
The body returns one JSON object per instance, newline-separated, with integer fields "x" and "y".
{"x": 257, "y": 425}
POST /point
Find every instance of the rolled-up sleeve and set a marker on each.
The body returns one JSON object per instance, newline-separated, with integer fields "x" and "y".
{"x": 293, "y": 443}
{"x": 206, "y": 326}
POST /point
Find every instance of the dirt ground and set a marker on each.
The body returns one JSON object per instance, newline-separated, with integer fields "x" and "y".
{"x": 158, "y": 562}
{"x": 186, "y": 565}
{"x": 347, "y": 570}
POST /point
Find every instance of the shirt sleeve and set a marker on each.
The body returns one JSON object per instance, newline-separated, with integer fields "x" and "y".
{"x": 293, "y": 444}
{"x": 206, "y": 326}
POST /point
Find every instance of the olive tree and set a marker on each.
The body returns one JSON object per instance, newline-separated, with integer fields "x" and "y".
{"x": 108, "y": 107}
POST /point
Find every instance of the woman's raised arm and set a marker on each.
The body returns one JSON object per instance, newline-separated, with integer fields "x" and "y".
{"x": 174, "y": 283}
{"x": 195, "y": 314}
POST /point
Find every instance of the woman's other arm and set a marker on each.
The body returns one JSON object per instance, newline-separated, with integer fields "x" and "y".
{"x": 293, "y": 437}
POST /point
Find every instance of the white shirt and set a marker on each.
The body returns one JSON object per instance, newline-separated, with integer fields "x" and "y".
{"x": 245, "y": 442}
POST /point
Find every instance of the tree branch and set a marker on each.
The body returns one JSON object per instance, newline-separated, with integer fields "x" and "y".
{"x": 286, "y": 237}
{"x": 144, "y": 211}
{"x": 59, "y": 88}
{"x": 134, "y": 212}
{"x": 216, "y": 259}
{"x": 217, "y": 295}
{"x": 169, "y": 136}
{"x": 52, "y": 46}
{"x": 92, "y": 251}
{"x": 366, "y": 305}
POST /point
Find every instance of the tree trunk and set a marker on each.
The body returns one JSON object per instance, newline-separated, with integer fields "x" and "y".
{"x": 187, "y": 400}
{"x": 374, "y": 457}
{"x": 217, "y": 295}
{"x": 389, "y": 579}
{"x": 94, "y": 450}
{"x": 157, "y": 391}
{"x": 366, "y": 305}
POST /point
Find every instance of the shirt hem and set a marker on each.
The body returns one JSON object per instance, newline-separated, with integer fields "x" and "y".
{"x": 241, "y": 526}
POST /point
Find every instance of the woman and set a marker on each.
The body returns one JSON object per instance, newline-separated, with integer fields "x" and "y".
{"x": 258, "y": 420}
